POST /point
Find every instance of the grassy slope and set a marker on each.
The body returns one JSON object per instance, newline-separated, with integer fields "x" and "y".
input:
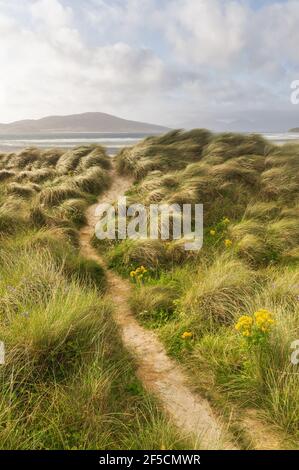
{"x": 256, "y": 186}
{"x": 67, "y": 382}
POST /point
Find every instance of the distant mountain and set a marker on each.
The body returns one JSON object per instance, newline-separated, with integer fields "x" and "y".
{"x": 295, "y": 129}
{"x": 86, "y": 122}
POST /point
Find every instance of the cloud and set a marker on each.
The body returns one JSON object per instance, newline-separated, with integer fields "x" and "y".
{"x": 228, "y": 33}
{"x": 51, "y": 13}
{"x": 48, "y": 68}
{"x": 206, "y": 32}
{"x": 273, "y": 33}
{"x": 171, "y": 61}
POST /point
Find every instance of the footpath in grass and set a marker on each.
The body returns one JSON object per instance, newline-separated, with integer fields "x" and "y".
{"x": 248, "y": 268}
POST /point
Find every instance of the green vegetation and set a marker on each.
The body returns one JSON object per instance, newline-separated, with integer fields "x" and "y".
{"x": 66, "y": 383}
{"x": 228, "y": 313}
{"x": 249, "y": 262}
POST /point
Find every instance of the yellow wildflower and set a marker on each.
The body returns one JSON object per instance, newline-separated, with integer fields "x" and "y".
{"x": 187, "y": 335}
{"x": 141, "y": 270}
{"x": 226, "y": 220}
{"x": 250, "y": 326}
{"x": 138, "y": 273}
{"x": 213, "y": 232}
{"x": 264, "y": 320}
{"x": 244, "y": 325}
{"x": 246, "y": 333}
{"x": 228, "y": 243}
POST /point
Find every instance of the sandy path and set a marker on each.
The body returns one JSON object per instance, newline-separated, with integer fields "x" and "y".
{"x": 160, "y": 375}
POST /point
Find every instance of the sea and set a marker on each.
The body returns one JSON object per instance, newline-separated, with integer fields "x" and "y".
{"x": 112, "y": 141}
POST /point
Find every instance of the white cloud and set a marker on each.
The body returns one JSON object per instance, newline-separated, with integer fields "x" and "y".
{"x": 273, "y": 33}
{"x": 206, "y": 31}
{"x": 161, "y": 60}
{"x": 125, "y": 17}
{"x": 219, "y": 33}
{"x": 49, "y": 68}
{"x": 51, "y": 13}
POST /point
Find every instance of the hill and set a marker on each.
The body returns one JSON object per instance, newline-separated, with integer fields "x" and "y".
{"x": 295, "y": 129}
{"x": 86, "y": 122}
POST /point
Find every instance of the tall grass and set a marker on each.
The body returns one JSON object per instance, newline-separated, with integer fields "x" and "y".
{"x": 66, "y": 383}
{"x": 250, "y": 192}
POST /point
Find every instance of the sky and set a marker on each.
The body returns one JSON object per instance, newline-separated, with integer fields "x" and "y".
{"x": 221, "y": 64}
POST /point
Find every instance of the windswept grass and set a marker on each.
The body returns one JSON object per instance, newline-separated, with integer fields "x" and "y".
{"x": 92, "y": 181}
{"x": 6, "y": 174}
{"x": 249, "y": 261}
{"x": 171, "y": 151}
{"x": 53, "y": 196}
{"x": 66, "y": 383}
{"x": 96, "y": 158}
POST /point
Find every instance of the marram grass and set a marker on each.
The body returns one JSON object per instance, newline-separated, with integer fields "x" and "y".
{"x": 66, "y": 383}
{"x": 249, "y": 262}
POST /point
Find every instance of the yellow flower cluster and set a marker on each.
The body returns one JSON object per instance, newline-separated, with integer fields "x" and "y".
{"x": 226, "y": 220}
{"x": 138, "y": 273}
{"x": 244, "y": 325}
{"x": 264, "y": 320}
{"x": 187, "y": 335}
{"x": 213, "y": 232}
{"x": 228, "y": 243}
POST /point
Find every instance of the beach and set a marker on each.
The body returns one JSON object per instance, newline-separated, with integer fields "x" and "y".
{"x": 112, "y": 141}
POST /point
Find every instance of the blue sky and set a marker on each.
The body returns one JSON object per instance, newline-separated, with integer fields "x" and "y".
{"x": 224, "y": 64}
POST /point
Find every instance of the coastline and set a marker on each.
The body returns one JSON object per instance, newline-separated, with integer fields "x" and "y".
{"x": 112, "y": 141}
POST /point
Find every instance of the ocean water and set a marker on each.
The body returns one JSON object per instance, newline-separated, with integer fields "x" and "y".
{"x": 112, "y": 141}
{"x": 282, "y": 138}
